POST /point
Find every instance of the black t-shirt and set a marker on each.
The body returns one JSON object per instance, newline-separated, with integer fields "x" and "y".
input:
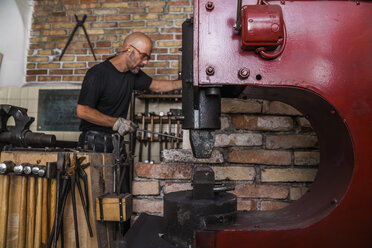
{"x": 109, "y": 91}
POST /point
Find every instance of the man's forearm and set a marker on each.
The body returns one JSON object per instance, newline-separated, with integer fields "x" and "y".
{"x": 165, "y": 85}
{"x": 94, "y": 116}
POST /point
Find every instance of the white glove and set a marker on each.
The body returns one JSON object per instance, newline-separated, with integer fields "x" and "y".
{"x": 123, "y": 126}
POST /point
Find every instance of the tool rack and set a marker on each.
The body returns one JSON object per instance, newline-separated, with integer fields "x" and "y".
{"x": 163, "y": 128}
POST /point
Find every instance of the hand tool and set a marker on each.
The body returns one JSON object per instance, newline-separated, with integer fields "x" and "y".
{"x": 172, "y": 141}
{"x": 27, "y": 168}
{"x": 166, "y": 141}
{"x": 85, "y": 206}
{"x": 84, "y": 177}
{"x": 44, "y": 216}
{"x": 72, "y": 175}
{"x": 160, "y": 137}
{"x": 117, "y": 166}
{"x": 79, "y": 23}
{"x": 39, "y": 208}
{"x": 22, "y": 214}
{"x": 151, "y": 114}
{"x": 70, "y": 170}
{"x": 4, "y": 210}
{"x": 142, "y": 138}
{"x": 41, "y": 172}
{"x": 160, "y": 134}
{"x": 6, "y": 167}
{"x": 178, "y": 132}
{"x": 52, "y": 197}
{"x": 18, "y": 169}
{"x": 169, "y": 114}
{"x": 31, "y": 213}
{"x": 53, "y": 235}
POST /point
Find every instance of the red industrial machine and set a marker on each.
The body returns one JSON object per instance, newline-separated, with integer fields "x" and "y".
{"x": 315, "y": 56}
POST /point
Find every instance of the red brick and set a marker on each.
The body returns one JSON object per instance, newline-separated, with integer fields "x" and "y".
{"x": 146, "y": 188}
{"x": 167, "y": 57}
{"x": 235, "y": 106}
{"x": 273, "y": 205}
{"x": 260, "y": 191}
{"x": 167, "y": 71}
{"x": 268, "y": 157}
{"x": 297, "y": 192}
{"x": 247, "y": 205}
{"x": 31, "y": 78}
{"x": 59, "y": 72}
{"x": 147, "y": 205}
{"x": 132, "y": 10}
{"x": 288, "y": 175}
{"x": 178, "y": 3}
{"x": 49, "y": 78}
{"x": 306, "y": 158}
{"x": 36, "y": 72}
{"x": 281, "y": 108}
{"x": 80, "y": 71}
{"x": 291, "y": 141}
{"x": 238, "y": 139}
{"x": 173, "y": 187}
{"x": 155, "y": 10}
{"x": 59, "y": 19}
{"x": 118, "y": 18}
{"x": 105, "y": 25}
{"x": 100, "y": 50}
{"x": 186, "y": 156}
{"x": 41, "y": 26}
{"x": 85, "y": 58}
{"x": 263, "y": 123}
{"x": 62, "y": 13}
{"x": 73, "y": 78}
{"x": 163, "y": 171}
{"x": 234, "y": 173}
{"x": 304, "y": 124}
{"x": 171, "y": 30}
{"x": 103, "y": 44}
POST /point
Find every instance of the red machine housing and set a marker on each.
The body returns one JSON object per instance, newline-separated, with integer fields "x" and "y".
{"x": 262, "y": 25}
{"x": 324, "y": 72}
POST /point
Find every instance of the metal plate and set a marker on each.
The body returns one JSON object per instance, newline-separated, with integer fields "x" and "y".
{"x": 57, "y": 110}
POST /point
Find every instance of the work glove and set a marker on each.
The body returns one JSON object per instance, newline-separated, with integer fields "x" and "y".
{"x": 123, "y": 126}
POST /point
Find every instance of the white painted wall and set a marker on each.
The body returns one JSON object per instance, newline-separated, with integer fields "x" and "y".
{"x": 15, "y": 25}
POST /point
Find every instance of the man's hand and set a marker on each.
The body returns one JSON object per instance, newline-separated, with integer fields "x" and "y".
{"x": 123, "y": 126}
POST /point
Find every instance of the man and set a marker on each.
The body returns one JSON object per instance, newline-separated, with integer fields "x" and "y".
{"x": 107, "y": 87}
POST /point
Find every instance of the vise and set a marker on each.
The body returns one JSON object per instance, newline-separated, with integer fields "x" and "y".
{"x": 20, "y": 134}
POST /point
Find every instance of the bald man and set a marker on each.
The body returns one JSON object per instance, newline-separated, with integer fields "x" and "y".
{"x": 107, "y": 88}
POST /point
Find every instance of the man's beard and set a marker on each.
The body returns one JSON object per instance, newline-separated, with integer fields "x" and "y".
{"x": 135, "y": 70}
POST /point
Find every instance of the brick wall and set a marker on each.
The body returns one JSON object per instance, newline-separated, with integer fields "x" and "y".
{"x": 108, "y": 23}
{"x": 267, "y": 149}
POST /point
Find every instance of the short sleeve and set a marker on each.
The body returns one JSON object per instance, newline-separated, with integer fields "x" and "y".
{"x": 142, "y": 81}
{"x": 90, "y": 90}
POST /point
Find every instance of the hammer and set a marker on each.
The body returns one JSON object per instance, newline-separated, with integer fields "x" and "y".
{"x": 4, "y": 210}
{"x": 23, "y": 213}
{"x": 31, "y": 213}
